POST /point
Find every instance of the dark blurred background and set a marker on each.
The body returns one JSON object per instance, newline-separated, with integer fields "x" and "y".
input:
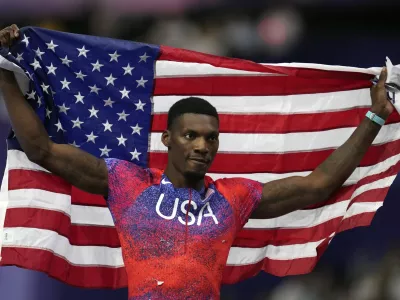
{"x": 362, "y": 264}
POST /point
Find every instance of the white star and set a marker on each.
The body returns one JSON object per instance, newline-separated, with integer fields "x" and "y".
{"x": 121, "y": 140}
{"x": 93, "y": 112}
{"x": 135, "y": 154}
{"x": 51, "y": 46}
{"x": 77, "y": 123}
{"x": 110, "y": 79}
{"x": 144, "y": 57}
{"x": 108, "y": 102}
{"x": 79, "y": 98}
{"x": 65, "y": 84}
{"x": 29, "y": 75}
{"x": 141, "y": 82}
{"x": 66, "y": 61}
{"x": 125, "y": 93}
{"x": 122, "y": 115}
{"x": 80, "y": 75}
{"x": 104, "y": 151}
{"x": 35, "y": 65}
{"x": 97, "y": 66}
{"x": 51, "y": 69}
{"x": 128, "y": 69}
{"x": 19, "y": 57}
{"x": 31, "y": 95}
{"x": 82, "y": 51}
{"x": 140, "y": 105}
{"x": 63, "y": 108}
{"x": 39, "y": 101}
{"x": 26, "y": 40}
{"x": 107, "y": 126}
{"x": 39, "y": 53}
{"x": 91, "y": 138}
{"x": 59, "y": 126}
{"x": 44, "y": 88}
{"x": 94, "y": 89}
{"x": 48, "y": 112}
{"x": 114, "y": 56}
{"x": 136, "y": 129}
{"x": 75, "y": 145}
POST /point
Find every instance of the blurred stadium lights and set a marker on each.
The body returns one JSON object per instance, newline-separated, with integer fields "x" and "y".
{"x": 280, "y": 29}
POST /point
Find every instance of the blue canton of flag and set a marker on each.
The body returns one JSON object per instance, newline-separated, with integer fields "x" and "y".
{"x": 93, "y": 93}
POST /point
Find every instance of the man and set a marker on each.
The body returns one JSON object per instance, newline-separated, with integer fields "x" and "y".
{"x": 179, "y": 249}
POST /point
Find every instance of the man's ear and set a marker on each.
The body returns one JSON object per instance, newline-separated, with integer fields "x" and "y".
{"x": 166, "y": 138}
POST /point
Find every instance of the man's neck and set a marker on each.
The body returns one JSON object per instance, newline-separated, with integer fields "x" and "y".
{"x": 178, "y": 180}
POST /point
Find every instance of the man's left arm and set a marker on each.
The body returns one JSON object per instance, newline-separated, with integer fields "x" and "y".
{"x": 286, "y": 195}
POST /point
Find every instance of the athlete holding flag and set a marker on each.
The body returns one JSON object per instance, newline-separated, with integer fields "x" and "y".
{"x": 176, "y": 226}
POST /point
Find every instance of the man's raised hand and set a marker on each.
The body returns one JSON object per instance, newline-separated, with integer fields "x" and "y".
{"x": 9, "y": 35}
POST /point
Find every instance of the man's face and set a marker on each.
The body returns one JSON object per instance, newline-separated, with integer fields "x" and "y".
{"x": 192, "y": 143}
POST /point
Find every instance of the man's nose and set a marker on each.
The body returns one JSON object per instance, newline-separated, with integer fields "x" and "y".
{"x": 201, "y": 145}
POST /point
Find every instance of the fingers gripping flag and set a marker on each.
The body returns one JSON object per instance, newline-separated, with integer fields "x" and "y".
{"x": 111, "y": 98}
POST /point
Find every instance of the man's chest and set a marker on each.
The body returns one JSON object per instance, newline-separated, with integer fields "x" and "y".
{"x": 164, "y": 213}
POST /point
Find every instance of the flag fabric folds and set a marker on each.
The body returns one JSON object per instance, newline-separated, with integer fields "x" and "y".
{"x": 111, "y": 98}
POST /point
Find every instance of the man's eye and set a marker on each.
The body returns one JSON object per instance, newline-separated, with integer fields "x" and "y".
{"x": 213, "y": 138}
{"x": 189, "y": 136}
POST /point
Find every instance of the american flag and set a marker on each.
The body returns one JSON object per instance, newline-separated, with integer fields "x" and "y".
{"x": 111, "y": 98}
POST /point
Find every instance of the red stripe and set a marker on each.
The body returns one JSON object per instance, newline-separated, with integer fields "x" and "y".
{"x": 279, "y": 124}
{"x": 252, "y": 86}
{"x": 256, "y": 238}
{"x": 59, "y": 268}
{"x": 232, "y": 163}
{"x": 182, "y": 55}
{"x": 234, "y": 274}
{"x": 29, "y": 179}
{"x": 353, "y": 222}
{"x": 77, "y": 234}
{"x": 17, "y": 178}
{"x": 281, "y": 268}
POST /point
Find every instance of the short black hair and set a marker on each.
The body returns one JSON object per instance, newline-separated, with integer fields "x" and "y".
{"x": 191, "y": 105}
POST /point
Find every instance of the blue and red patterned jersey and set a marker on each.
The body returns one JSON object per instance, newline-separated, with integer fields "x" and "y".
{"x": 175, "y": 241}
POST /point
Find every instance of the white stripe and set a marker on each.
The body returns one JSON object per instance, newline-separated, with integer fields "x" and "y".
{"x": 292, "y": 104}
{"x": 79, "y": 214}
{"x": 356, "y": 176}
{"x": 18, "y": 160}
{"x": 246, "y": 256}
{"x": 76, "y": 255}
{"x": 101, "y": 216}
{"x": 362, "y": 207}
{"x": 284, "y": 143}
{"x": 3, "y": 204}
{"x": 371, "y": 71}
{"x": 314, "y": 217}
{"x": 165, "y": 68}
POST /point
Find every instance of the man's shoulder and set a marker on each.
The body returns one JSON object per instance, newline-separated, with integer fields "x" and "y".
{"x": 127, "y": 168}
{"x": 237, "y": 185}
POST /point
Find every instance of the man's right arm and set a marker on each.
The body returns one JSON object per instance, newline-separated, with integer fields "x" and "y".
{"x": 78, "y": 167}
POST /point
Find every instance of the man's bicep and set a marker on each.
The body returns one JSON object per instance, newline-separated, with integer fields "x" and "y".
{"x": 78, "y": 167}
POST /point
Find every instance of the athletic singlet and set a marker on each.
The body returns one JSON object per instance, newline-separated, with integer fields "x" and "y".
{"x": 175, "y": 241}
